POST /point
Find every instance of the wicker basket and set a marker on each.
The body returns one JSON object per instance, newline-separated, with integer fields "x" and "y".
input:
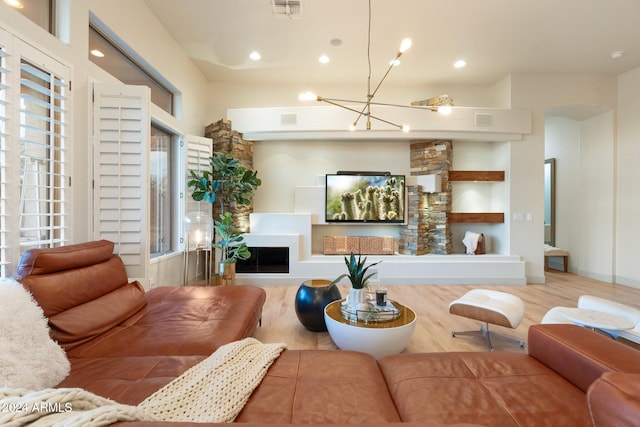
{"x": 377, "y": 245}
{"x": 362, "y": 245}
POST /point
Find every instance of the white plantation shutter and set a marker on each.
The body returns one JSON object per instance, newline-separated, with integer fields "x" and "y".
{"x": 44, "y": 122}
{"x": 35, "y": 101}
{"x": 121, "y": 173}
{"x": 199, "y": 149}
{"x": 9, "y": 251}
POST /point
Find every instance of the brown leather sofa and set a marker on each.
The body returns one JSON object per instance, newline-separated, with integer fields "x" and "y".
{"x": 122, "y": 342}
{"x": 125, "y": 344}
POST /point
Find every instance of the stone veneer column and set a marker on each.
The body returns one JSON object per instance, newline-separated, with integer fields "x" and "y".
{"x": 410, "y": 242}
{"x": 226, "y": 140}
{"x": 431, "y": 231}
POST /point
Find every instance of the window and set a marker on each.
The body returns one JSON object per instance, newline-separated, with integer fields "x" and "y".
{"x": 42, "y": 158}
{"x": 113, "y": 59}
{"x": 34, "y": 142}
{"x": 162, "y": 166}
{"x": 39, "y": 11}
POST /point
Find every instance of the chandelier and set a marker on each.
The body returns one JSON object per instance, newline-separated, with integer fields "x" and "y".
{"x": 442, "y": 103}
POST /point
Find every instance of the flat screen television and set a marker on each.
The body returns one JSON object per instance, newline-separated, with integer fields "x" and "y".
{"x": 365, "y": 197}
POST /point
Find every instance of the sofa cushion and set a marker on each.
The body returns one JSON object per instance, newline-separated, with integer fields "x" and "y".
{"x": 579, "y": 354}
{"x": 614, "y": 400}
{"x": 50, "y": 260}
{"x": 83, "y": 322}
{"x": 496, "y": 389}
{"x": 83, "y": 289}
{"x": 127, "y": 380}
{"x": 192, "y": 320}
{"x": 321, "y": 387}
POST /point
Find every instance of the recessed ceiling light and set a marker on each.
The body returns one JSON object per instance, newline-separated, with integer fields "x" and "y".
{"x": 16, "y": 4}
{"x": 617, "y": 54}
{"x": 97, "y": 53}
{"x": 460, "y": 63}
{"x": 335, "y": 42}
{"x": 255, "y": 56}
{"x": 324, "y": 59}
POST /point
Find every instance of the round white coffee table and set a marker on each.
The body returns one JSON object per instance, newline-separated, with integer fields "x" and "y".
{"x": 596, "y": 319}
{"x": 379, "y": 339}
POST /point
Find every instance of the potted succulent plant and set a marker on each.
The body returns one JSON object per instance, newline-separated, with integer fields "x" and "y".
{"x": 358, "y": 277}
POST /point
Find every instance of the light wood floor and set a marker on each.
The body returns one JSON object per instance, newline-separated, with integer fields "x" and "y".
{"x": 434, "y": 324}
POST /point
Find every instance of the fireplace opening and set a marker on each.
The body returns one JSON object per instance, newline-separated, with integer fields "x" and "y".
{"x": 265, "y": 259}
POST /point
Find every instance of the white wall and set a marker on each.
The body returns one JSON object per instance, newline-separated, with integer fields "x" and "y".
{"x": 283, "y": 165}
{"x": 597, "y": 198}
{"x": 585, "y": 191}
{"x": 541, "y": 93}
{"x": 627, "y": 266}
{"x": 562, "y": 142}
{"x": 230, "y": 95}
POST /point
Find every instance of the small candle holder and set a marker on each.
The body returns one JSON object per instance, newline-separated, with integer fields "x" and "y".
{"x": 381, "y": 297}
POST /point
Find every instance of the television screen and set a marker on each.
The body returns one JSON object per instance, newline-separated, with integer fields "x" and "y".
{"x": 365, "y": 198}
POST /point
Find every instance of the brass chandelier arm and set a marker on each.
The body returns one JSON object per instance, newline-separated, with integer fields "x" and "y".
{"x": 391, "y": 65}
{"x": 370, "y": 95}
{"x": 333, "y": 102}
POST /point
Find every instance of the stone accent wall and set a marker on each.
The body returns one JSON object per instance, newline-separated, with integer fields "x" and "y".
{"x": 431, "y": 232}
{"x": 226, "y": 140}
{"x": 412, "y": 235}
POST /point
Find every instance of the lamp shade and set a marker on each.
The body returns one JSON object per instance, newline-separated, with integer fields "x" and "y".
{"x": 199, "y": 230}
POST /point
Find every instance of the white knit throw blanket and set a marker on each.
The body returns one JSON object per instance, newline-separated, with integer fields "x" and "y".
{"x": 215, "y": 390}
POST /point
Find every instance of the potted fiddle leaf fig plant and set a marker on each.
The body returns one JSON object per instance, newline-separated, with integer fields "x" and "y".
{"x": 227, "y": 181}
{"x": 357, "y": 274}
{"x": 230, "y": 184}
{"x": 230, "y": 242}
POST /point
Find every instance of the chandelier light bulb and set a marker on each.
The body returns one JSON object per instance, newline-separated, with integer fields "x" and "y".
{"x": 405, "y": 45}
{"x": 405, "y": 128}
{"x": 445, "y": 109}
{"x": 394, "y": 62}
{"x": 307, "y": 96}
{"x": 353, "y": 126}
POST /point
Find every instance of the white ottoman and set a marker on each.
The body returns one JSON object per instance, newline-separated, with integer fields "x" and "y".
{"x": 498, "y": 308}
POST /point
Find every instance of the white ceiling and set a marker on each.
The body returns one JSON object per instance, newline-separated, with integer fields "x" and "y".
{"x": 496, "y": 38}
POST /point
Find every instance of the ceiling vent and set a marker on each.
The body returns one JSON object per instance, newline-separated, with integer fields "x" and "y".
{"x": 290, "y": 9}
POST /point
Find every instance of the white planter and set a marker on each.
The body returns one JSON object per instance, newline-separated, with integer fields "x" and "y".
{"x": 358, "y": 299}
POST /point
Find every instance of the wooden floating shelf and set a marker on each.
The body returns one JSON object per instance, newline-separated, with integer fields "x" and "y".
{"x": 476, "y": 175}
{"x": 491, "y": 217}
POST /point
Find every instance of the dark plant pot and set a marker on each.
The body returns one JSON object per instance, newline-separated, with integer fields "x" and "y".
{"x": 311, "y": 298}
